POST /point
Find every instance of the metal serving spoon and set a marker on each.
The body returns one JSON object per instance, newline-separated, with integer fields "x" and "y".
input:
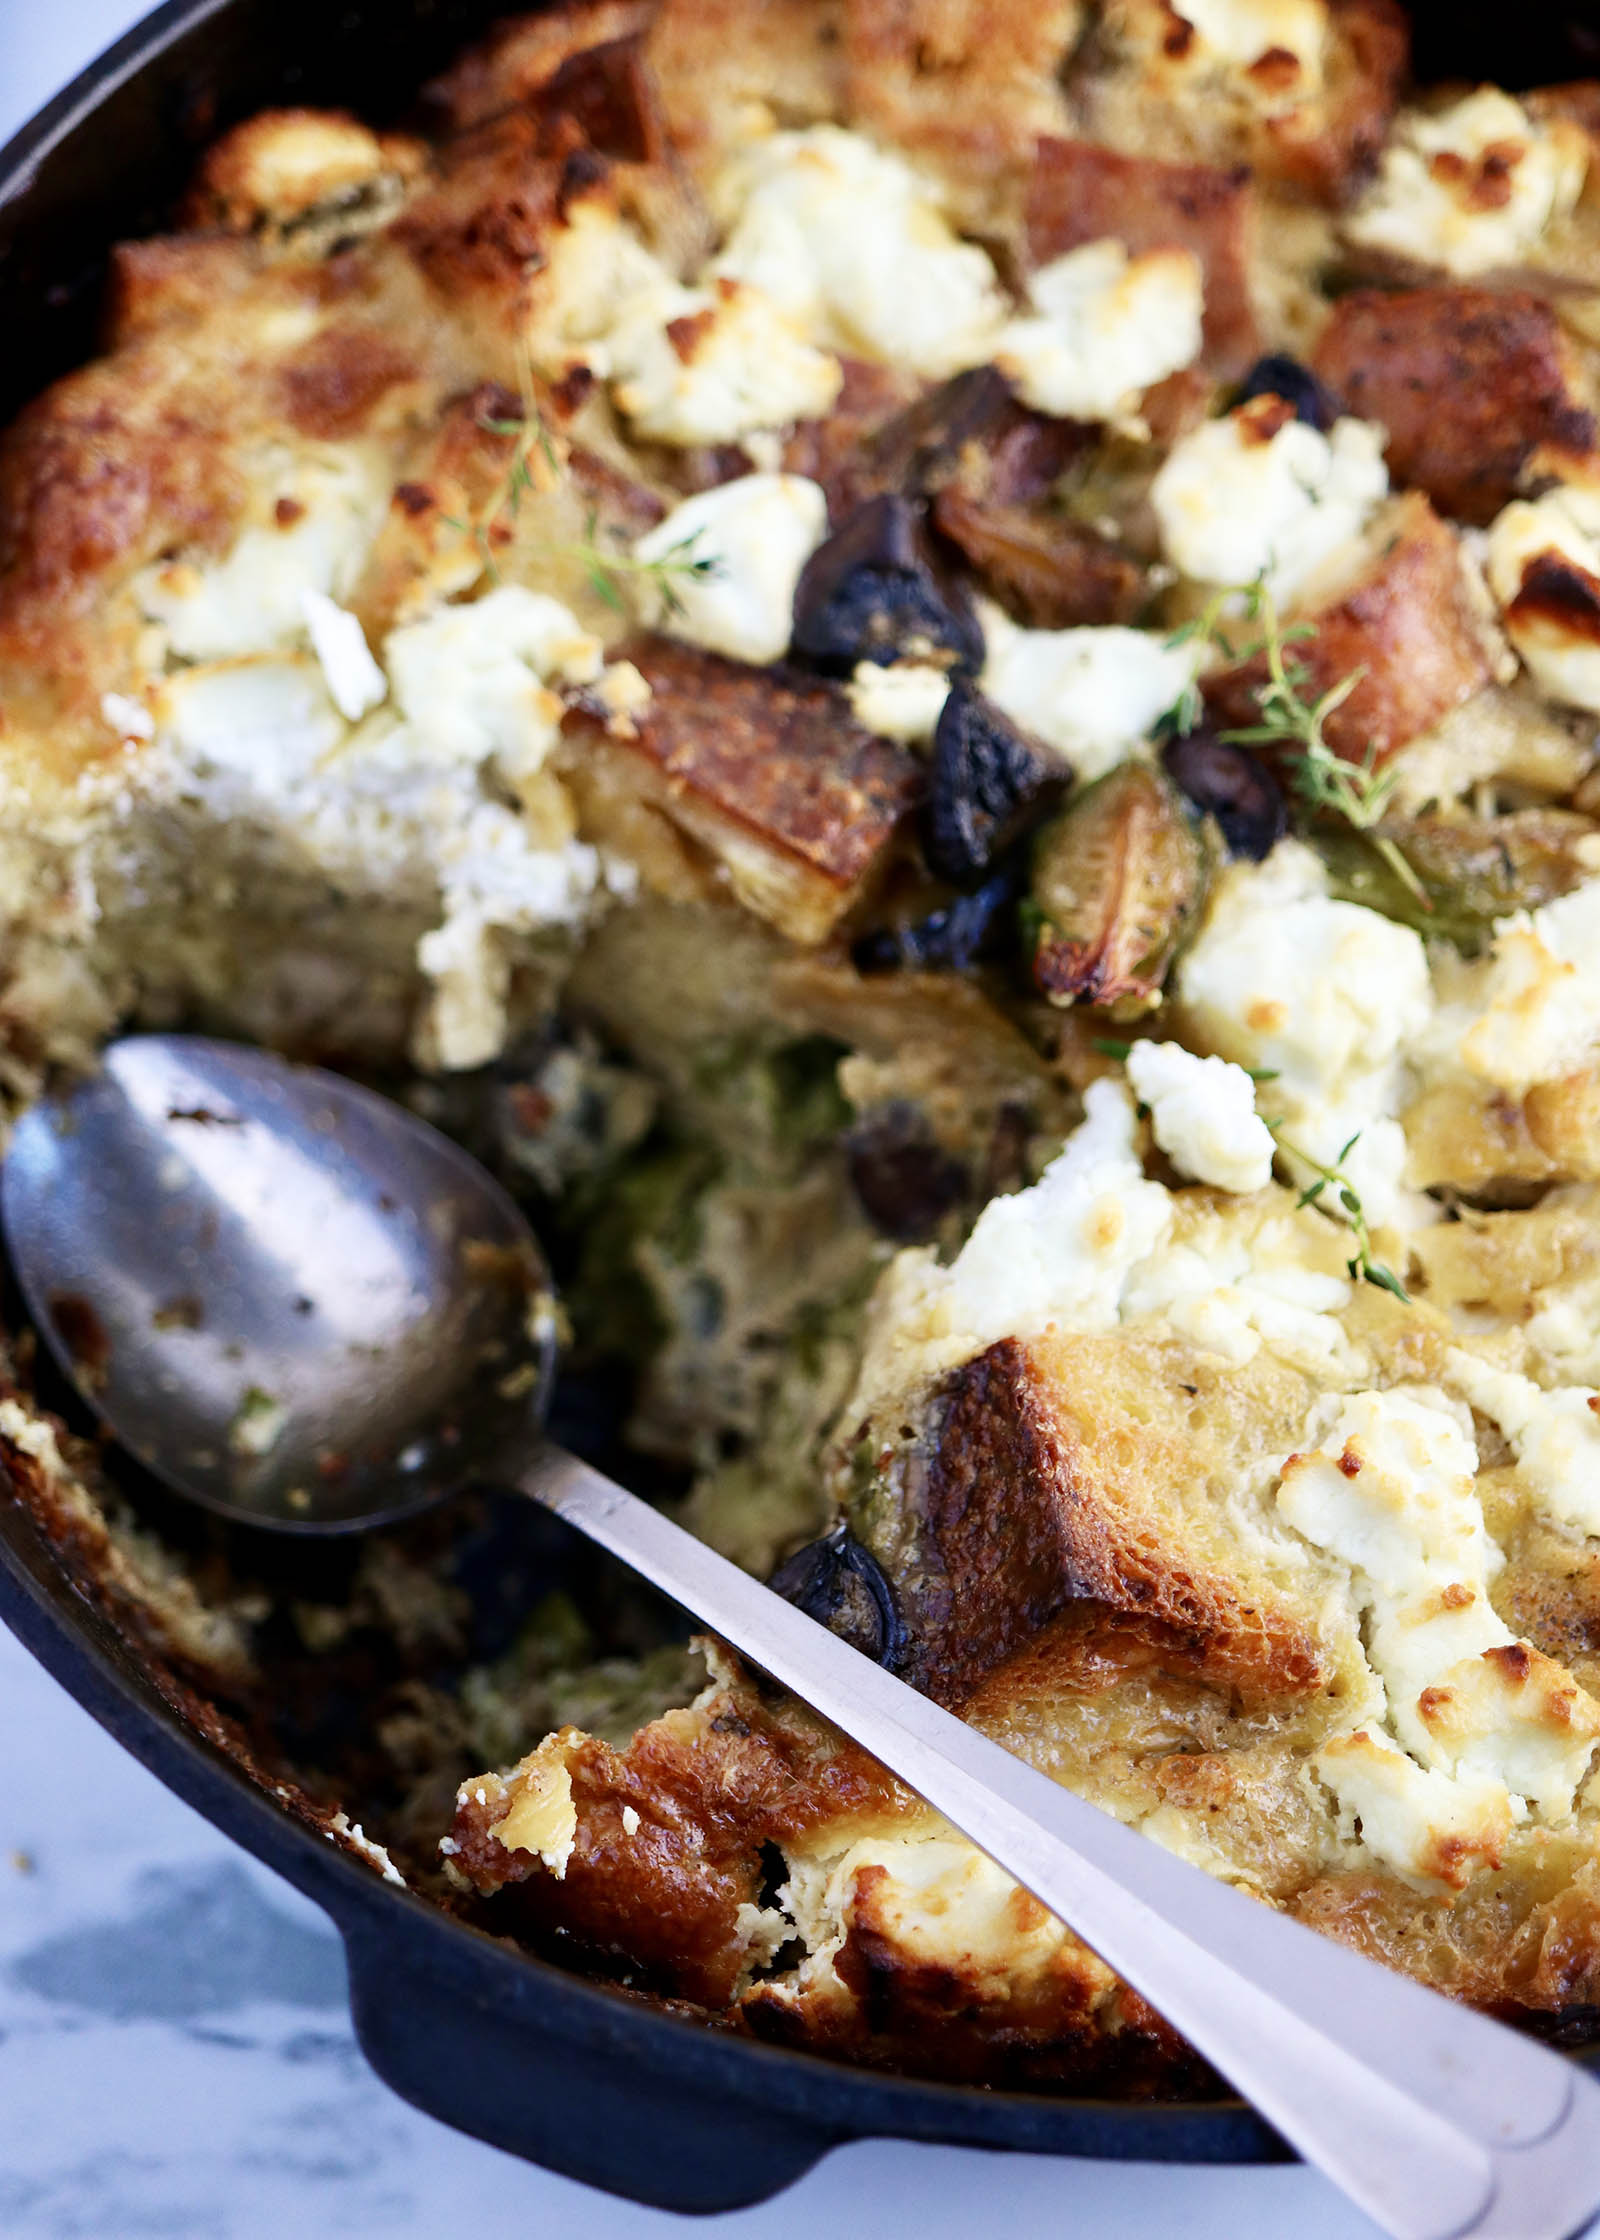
{"x": 298, "y": 1304}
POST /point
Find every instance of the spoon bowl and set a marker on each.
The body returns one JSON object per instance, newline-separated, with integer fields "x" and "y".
{"x": 288, "y": 1296}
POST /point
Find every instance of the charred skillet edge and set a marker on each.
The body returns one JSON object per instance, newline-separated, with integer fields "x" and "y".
{"x": 559, "y": 2070}
{"x": 545, "y": 2065}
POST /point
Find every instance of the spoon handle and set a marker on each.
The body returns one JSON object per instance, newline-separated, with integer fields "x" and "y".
{"x": 1440, "y": 2123}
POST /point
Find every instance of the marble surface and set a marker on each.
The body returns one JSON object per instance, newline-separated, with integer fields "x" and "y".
{"x": 175, "y": 2053}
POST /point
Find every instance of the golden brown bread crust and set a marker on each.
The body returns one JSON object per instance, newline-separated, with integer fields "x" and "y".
{"x": 772, "y": 775}
{"x": 523, "y": 56}
{"x": 1147, "y": 81}
{"x": 1405, "y": 618}
{"x": 964, "y": 86}
{"x": 1079, "y": 192}
{"x": 1040, "y": 1479}
{"x": 1467, "y": 381}
{"x": 715, "y": 59}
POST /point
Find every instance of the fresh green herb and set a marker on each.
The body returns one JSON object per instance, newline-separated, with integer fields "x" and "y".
{"x": 606, "y": 571}
{"x": 1324, "y": 782}
{"x": 535, "y": 465}
{"x": 1361, "y": 1264}
{"x": 531, "y": 439}
{"x": 1109, "y": 1049}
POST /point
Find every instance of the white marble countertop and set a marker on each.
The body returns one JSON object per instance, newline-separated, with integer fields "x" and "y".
{"x": 175, "y": 2054}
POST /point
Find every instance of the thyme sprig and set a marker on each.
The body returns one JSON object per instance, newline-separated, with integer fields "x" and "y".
{"x": 534, "y": 467}
{"x": 1324, "y": 782}
{"x": 607, "y": 571}
{"x": 532, "y": 442}
{"x": 1362, "y": 1266}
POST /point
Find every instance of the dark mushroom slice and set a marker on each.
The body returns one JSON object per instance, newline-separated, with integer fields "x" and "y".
{"x": 1117, "y": 879}
{"x": 905, "y": 1179}
{"x": 1052, "y": 572}
{"x": 1239, "y": 789}
{"x": 921, "y": 447}
{"x": 974, "y": 929}
{"x": 986, "y": 785}
{"x": 1279, "y": 375}
{"x": 1472, "y": 870}
{"x": 838, "y": 1583}
{"x": 875, "y": 592}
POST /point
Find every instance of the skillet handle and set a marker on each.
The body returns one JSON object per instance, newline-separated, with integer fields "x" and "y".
{"x": 536, "y": 2077}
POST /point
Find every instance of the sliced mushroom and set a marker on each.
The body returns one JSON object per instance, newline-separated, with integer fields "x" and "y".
{"x": 839, "y": 1584}
{"x": 1279, "y": 375}
{"x": 1117, "y": 878}
{"x": 1052, "y": 572}
{"x": 1238, "y": 788}
{"x": 967, "y": 932}
{"x": 875, "y": 592}
{"x": 905, "y": 1179}
{"x": 986, "y": 786}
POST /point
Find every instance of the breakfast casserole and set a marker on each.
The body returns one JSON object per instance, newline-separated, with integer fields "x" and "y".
{"x": 935, "y": 665}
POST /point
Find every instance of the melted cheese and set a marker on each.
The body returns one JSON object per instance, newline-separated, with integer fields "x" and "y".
{"x": 1203, "y": 1115}
{"x": 1555, "y": 1436}
{"x": 1093, "y": 694}
{"x": 1242, "y": 497}
{"x": 732, "y": 558}
{"x": 851, "y": 243}
{"x": 1472, "y": 187}
{"x": 1101, "y": 328}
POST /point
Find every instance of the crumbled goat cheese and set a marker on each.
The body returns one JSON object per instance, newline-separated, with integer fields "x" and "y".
{"x": 1471, "y": 187}
{"x": 1093, "y": 694}
{"x": 1240, "y": 32}
{"x": 1327, "y": 996}
{"x": 127, "y": 717}
{"x": 268, "y": 720}
{"x": 1245, "y": 497}
{"x": 1101, "y": 328}
{"x": 313, "y": 519}
{"x": 1530, "y": 1010}
{"x": 702, "y": 366}
{"x": 1203, "y": 1115}
{"x": 848, "y": 240}
{"x": 728, "y": 561}
{"x": 358, "y": 1840}
{"x": 899, "y": 700}
{"x": 595, "y": 267}
{"x": 1554, "y": 1435}
{"x": 1061, "y": 1251}
{"x": 354, "y": 680}
{"x": 1553, "y": 542}
{"x": 1424, "y": 1823}
{"x": 1232, "y": 1289}
{"x": 1391, "y": 1492}
{"x": 470, "y": 681}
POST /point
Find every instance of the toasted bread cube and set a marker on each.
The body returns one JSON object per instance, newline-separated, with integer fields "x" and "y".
{"x": 1080, "y": 192}
{"x": 769, "y": 773}
{"x": 1398, "y": 606}
{"x": 1302, "y": 92}
{"x": 1467, "y": 381}
{"x": 524, "y": 57}
{"x": 963, "y": 86}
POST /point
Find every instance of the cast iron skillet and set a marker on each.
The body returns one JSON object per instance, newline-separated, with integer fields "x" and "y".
{"x": 565, "y": 2072}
